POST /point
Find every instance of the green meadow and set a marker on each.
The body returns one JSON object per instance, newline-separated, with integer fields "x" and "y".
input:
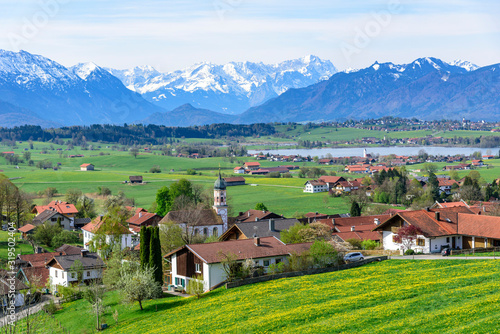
{"x": 394, "y": 296}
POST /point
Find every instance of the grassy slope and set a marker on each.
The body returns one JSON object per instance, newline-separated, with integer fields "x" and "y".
{"x": 446, "y": 296}
{"x": 21, "y": 246}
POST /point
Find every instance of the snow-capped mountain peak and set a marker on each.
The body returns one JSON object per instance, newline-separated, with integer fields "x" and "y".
{"x": 83, "y": 70}
{"x": 467, "y": 65}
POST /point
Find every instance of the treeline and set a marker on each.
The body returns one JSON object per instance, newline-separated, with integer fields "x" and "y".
{"x": 136, "y": 134}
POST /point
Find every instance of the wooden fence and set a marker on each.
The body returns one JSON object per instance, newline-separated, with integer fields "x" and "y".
{"x": 476, "y": 250}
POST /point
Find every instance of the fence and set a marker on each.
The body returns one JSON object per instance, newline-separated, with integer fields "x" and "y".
{"x": 265, "y": 278}
{"x": 475, "y": 250}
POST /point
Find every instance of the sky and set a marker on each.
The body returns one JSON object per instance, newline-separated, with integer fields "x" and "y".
{"x": 174, "y": 34}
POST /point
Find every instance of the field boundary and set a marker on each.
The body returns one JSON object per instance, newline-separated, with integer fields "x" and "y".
{"x": 266, "y": 278}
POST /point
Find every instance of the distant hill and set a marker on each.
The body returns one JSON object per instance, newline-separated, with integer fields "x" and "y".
{"x": 187, "y": 115}
{"x": 427, "y": 88}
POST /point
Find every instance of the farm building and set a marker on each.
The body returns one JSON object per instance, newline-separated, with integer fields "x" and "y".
{"x": 135, "y": 179}
{"x": 86, "y": 167}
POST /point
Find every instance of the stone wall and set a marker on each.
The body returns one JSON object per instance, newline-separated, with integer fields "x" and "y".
{"x": 302, "y": 273}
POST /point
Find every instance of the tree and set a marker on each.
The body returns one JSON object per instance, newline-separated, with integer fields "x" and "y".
{"x": 73, "y": 195}
{"x": 94, "y": 294}
{"x": 144, "y": 247}
{"x": 454, "y": 175}
{"x": 163, "y": 201}
{"x": 134, "y": 151}
{"x": 138, "y": 285}
{"x": 407, "y": 235}
{"x": 86, "y": 207}
{"x": 323, "y": 254}
{"x": 369, "y": 244}
{"x": 355, "y": 209}
{"x": 64, "y": 237}
{"x": 230, "y": 267}
{"x": 77, "y": 269}
{"x": 46, "y": 232}
{"x": 433, "y": 183}
{"x": 196, "y": 286}
{"x": 261, "y": 207}
{"x": 292, "y": 236}
{"x": 170, "y": 237}
{"x": 155, "y": 259}
{"x": 430, "y": 168}
{"x": 50, "y": 192}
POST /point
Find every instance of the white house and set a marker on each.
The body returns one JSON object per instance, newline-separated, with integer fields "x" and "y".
{"x": 62, "y": 268}
{"x": 112, "y": 234}
{"x": 205, "y": 259}
{"x": 454, "y": 227}
{"x": 315, "y": 186}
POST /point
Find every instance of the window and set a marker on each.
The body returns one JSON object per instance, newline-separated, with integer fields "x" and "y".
{"x": 183, "y": 282}
{"x": 88, "y": 273}
{"x": 177, "y": 281}
{"x": 72, "y": 275}
{"x": 56, "y": 272}
{"x": 62, "y": 275}
{"x": 195, "y": 231}
{"x": 266, "y": 263}
{"x": 53, "y": 219}
{"x": 205, "y": 231}
{"x": 256, "y": 262}
{"x": 197, "y": 267}
{"x": 420, "y": 242}
{"x": 215, "y": 233}
{"x": 278, "y": 260}
{"x": 447, "y": 239}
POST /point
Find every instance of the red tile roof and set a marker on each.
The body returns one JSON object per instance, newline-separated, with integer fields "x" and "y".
{"x": 39, "y": 260}
{"x": 59, "y": 206}
{"x": 330, "y": 179}
{"x": 252, "y": 215}
{"x": 252, "y": 164}
{"x": 95, "y": 225}
{"x": 479, "y": 225}
{"x": 141, "y": 218}
{"x": 26, "y": 228}
{"x": 37, "y": 275}
{"x": 85, "y": 165}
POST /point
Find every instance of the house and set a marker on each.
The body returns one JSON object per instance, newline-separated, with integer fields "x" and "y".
{"x": 142, "y": 219}
{"x": 69, "y": 250}
{"x": 239, "y": 170}
{"x": 61, "y": 269}
{"x": 134, "y": 210}
{"x": 205, "y": 222}
{"x": 54, "y": 217}
{"x": 31, "y": 267}
{"x": 234, "y": 181}
{"x": 345, "y": 186}
{"x": 65, "y": 208}
{"x": 27, "y": 230}
{"x": 360, "y": 228}
{"x": 6, "y": 291}
{"x": 117, "y": 233}
{"x": 135, "y": 179}
{"x": 449, "y": 204}
{"x": 477, "y": 163}
{"x": 445, "y": 185}
{"x": 86, "y": 167}
{"x": 252, "y": 165}
{"x": 331, "y": 180}
{"x": 325, "y": 161}
{"x": 205, "y": 259}
{"x": 33, "y": 276}
{"x": 255, "y": 215}
{"x": 455, "y": 227}
{"x": 315, "y": 186}
{"x": 261, "y": 228}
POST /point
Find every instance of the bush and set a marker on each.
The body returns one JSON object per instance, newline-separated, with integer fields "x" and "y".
{"x": 50, "y": 308}
{"x": 356, "y": 243}
{"x": 276, "y": 268}
{"x": 155, "y": 169}
{"x": 410, "y": 252}
{"x": 65, "y": 237}
{"x": 274, "y": 175}
{"x": 369, "y": 244}
{"x": 191, "y": 172}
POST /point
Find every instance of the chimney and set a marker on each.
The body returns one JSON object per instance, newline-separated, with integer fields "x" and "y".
{"x": 60, "y": 253}
{"x": 333, "y": 221}
{"x": 309, "y": 220}
{"x": 377, "y": 221}
{"x": 353, "y": 228}
{"x": 271, "y": 225}
{"x": 140, "y": 214}
{"x": 436, "y": 215}
{"x": 248, "y": 213}
{"x": 427, "y": 209}
{"x": 263, "y": 211}
{"x": 256, "y": 241}
{"x": 84, "y": 252}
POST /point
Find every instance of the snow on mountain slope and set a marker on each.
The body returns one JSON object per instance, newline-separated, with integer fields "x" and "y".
{"x": 229, "y": 88}
{"x": 464, "y": 64}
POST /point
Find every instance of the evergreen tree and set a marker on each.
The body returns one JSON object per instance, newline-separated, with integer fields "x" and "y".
{"x": 144, "y": 248}
{"x": 155, "y": 260}
{"x": 355, "y": 209}
{"x": 433, "y": 183}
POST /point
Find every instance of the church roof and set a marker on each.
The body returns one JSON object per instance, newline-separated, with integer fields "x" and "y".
{"x": 220, "y": 184}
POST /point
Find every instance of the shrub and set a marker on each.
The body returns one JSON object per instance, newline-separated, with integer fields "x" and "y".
{"x": 300, "y": 262}
{"x": 191, "y": 172}
{"x": 155, "y": 169}
{"x": 356, "y": 243}
{"x": 410, "y": 252}
{"x": 50, "y": 308}
{"x": 369, "y": 244}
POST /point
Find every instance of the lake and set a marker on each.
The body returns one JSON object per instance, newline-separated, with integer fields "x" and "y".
{"x": 398, "y": 150}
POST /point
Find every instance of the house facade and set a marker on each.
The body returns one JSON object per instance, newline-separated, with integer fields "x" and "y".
{"x": 205, "y": 259}
{"x": 117, "y": 234}
{"x": 86, "y": 167}
{"x": 62, "y": 269}
{"x": 315, "y": 186}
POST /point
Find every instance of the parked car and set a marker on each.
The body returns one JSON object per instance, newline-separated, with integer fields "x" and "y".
{"x": 353, "y": 257}
{"x": 446, "y": 252}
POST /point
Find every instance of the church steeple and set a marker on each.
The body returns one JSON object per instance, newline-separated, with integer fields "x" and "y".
{"x": 220, "y": 205}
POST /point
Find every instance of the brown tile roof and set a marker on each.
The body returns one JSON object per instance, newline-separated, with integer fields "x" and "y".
{"x": 452, "y": 204}
{"x": 135, "y": 210}
{"x": 252, "y": 164}
{"x": 5, "y": 286}
{"x": 89, "y": 261}
{"x": 141, "y": 218}
{"x": 243, "y": 249}
{"x": 359, "y": 235}
{"x": 361, "y": 222}
{"x": 194, "y": 217}
{"x": 37, "y": 274}
{"x": 69, "y": 249}
{"x": 39, "y": 259}
{"x": 446, "y": 183}
{"x": 317, "y": 183}
{"x": 252, "y": 215}
{"x": 479, "y": 225}
{"x": 26, "y": 228}
{"x": 234, "y": 179}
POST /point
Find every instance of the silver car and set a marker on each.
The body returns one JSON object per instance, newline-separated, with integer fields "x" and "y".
{"x": 353, "y": 257}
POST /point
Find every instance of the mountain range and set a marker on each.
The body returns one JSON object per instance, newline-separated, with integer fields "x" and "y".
{"x": 37, "y": 90}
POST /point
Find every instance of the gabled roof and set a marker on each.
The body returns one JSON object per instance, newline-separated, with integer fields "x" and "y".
{"x": 243, "y": 249}
{"x": 38, "y": 274}
{"x": 69, "y": 249}
{"x": 26, "y": 228}
{"x": 450, "y": 204}
{"x": 234, "y": 179}
{"x": 142, "y": 218}
{"x": 59, "y": 206}
{"x": 252, "y": 164}
{"x": 85, "y": 165}
{"x": 316, "y": 183}
{"x": 38, "y": 260}
{"x": 195, "y": 217}
{"x": 479, "y": 225}
{"x": 135, "y": 210}
{"x": 98, "y": 223}
{"x": 261, "y": 228}
{"x": 89, "y": 261}
{"x": 5, "y": 285}
{"x": 253, "y": 215}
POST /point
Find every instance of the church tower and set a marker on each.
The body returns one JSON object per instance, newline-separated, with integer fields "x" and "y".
{"x": 220, "y": 205}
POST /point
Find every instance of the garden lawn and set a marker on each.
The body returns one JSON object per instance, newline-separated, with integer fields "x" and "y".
{"x": 22, "y": 247}
{"x": 441, "y": 296}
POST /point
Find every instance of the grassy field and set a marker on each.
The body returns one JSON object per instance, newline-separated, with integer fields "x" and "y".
{"x": 21, "y": 247}
{"x": 404, "y": 296}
